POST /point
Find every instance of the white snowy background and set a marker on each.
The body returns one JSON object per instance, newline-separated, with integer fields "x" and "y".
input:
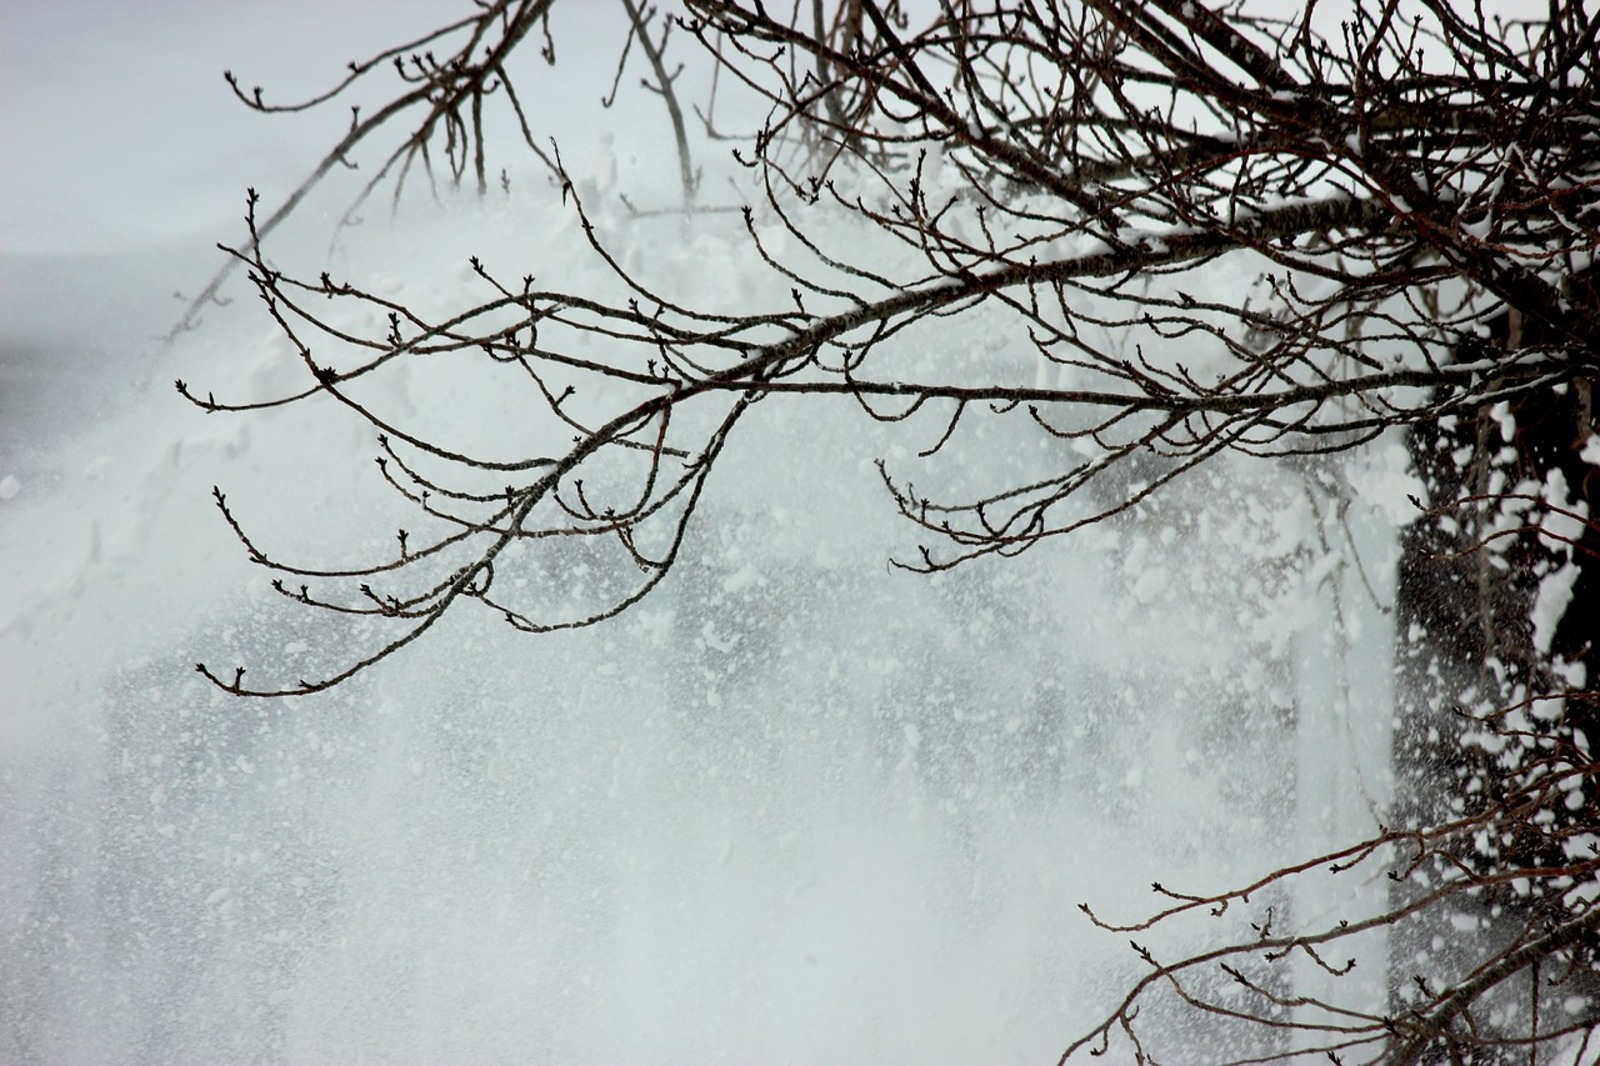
{"x": 797, "y": 807}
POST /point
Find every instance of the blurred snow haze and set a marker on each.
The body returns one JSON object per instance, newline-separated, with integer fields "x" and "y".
{"x": 796, "y": 807}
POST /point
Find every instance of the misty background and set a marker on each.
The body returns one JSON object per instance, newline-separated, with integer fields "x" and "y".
{"x": 797, "y": 807}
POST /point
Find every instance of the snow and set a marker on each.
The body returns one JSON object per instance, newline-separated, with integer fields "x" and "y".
{"x": 1564, "y": 521}
{"x": 1551, "y": 603}
{"x": 1591, "y": 450}
{"x": 1502, "y": 416}
{"x": 797, "y": 807}
{"x": 1381, "y": 477}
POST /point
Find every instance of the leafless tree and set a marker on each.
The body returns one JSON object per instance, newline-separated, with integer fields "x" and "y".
{"x": 1400, "y": 178}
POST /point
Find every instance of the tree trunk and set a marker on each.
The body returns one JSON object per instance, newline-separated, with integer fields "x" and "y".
{"x": 1498, "y": 615}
